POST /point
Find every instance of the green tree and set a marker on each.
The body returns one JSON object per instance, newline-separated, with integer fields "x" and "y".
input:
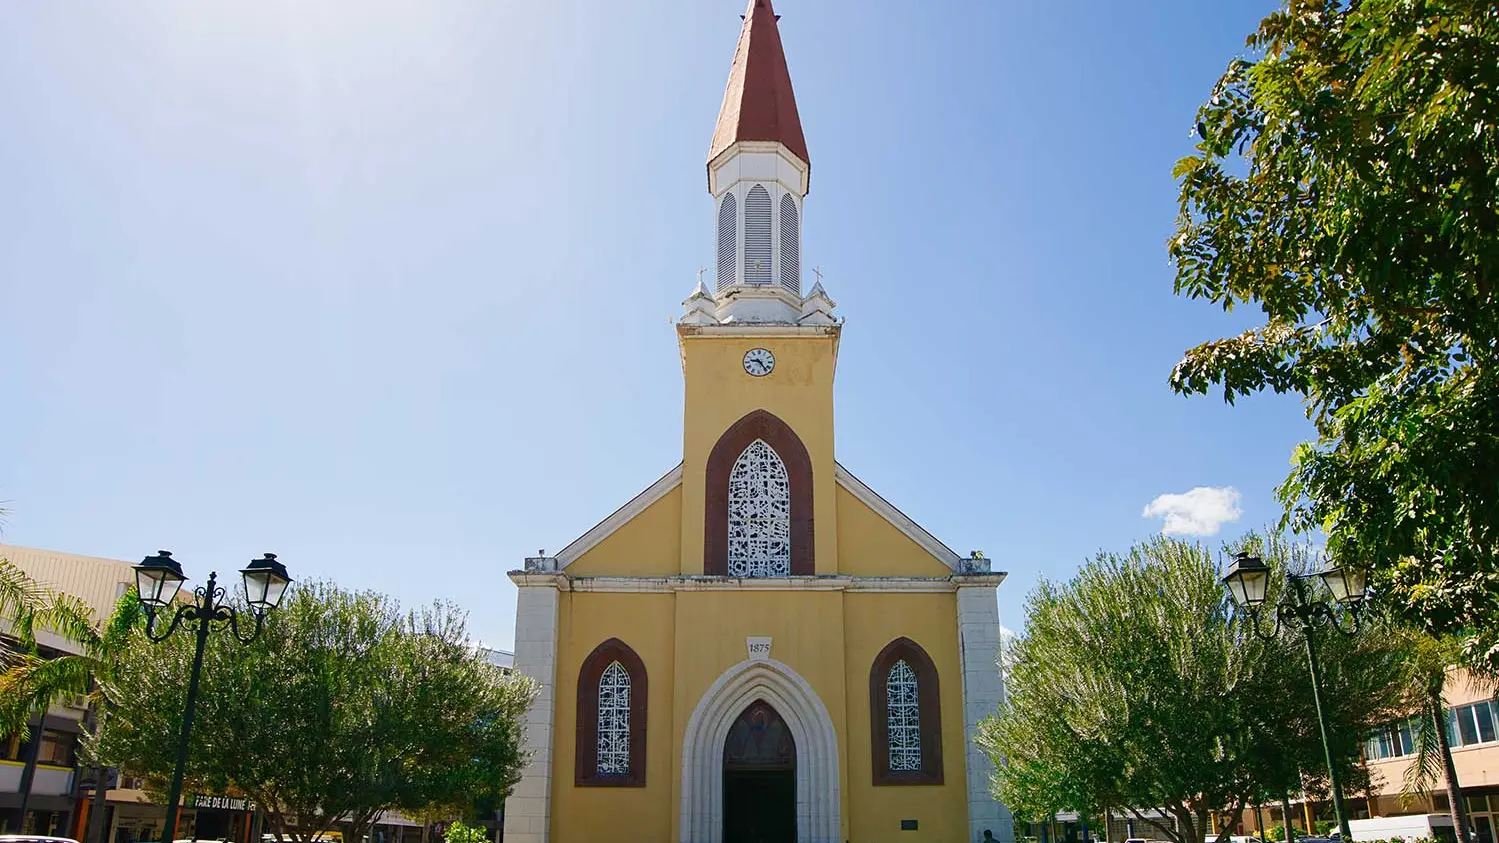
{"x": 460, "y": 833}
{"x": 345, "y": 706}
{"x": 1346, "y": 183}
{"x": 1138, "y": 686}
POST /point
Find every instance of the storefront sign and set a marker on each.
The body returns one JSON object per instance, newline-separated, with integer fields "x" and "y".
{"x": 222, "y": 803}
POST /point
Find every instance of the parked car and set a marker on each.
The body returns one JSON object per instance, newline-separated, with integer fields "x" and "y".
{"x": 34, "y": 838}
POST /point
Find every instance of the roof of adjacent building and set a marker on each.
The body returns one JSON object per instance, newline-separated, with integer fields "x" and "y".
{"x": 758, "y": 104}
{"x": 97, "y": 581}
{"x": 498, "y": 658}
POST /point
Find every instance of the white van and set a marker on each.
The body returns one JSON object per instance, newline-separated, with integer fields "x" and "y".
{"x": 1408, "y": 828}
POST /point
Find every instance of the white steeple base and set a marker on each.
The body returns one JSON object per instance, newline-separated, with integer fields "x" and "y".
{"x": 765, "y": 304}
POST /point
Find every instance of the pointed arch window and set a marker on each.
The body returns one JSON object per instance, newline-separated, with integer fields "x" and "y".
{"x": 905, "y": 716}
{"x": 757, "y": 236}
{"x": 791, "y": 267}
{"x": 728, "y": 237}
{"x": 759, "y": 514}
{"x": 614, "y": 721}
{"x": 759, "y": 501}
{"x": 611, "y": 718}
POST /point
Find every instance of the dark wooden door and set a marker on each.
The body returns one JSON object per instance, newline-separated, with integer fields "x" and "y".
{"x": 759, "y": 778}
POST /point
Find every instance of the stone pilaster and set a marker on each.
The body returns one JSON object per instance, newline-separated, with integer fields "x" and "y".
{"x": 528, "y": 813}
{"x": 983, "y": 690}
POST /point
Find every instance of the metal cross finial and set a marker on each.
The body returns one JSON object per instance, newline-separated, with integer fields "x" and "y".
{"x": 700, "y": 271}
{"x": 817, "y": 270}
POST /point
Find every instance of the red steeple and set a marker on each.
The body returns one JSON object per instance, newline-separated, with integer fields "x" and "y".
{"x": 758, "y": 104}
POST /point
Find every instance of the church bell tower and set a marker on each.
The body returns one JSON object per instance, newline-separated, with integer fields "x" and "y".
{"x": 758, "y": 355}
{"x": 758, "y": 174}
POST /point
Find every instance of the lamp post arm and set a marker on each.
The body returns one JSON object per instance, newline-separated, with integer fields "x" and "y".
{"x": 183, "y": 613}
{"x": 1333, "y": 620}
{"x": 230, "y": 614}
{"x": 1274, "y": 631}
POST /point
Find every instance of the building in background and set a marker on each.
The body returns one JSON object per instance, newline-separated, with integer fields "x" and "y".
{"x": 55, "y": 806}
{"x": 1473, "y": 732}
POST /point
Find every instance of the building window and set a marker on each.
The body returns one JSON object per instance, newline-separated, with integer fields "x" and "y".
{"x": 791, "y": 267}
{"x": 728, "y": 237}
{"x": 905, "y": 716}
{"x": 611, "y": 718}
{"x": 757, "y": 236}
{"x": 1471, "y": 724}
{"x": 759, "y": 514}
{"x": 57, "y": 748}
{"x": 1393, "y": 740}
{"x": 729, "y": 473}
{"x": 614, "y": 721}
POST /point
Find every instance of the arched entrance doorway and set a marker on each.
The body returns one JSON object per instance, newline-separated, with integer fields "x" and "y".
{"x": 759, "y": 778}
{"x": 818, "y": 805}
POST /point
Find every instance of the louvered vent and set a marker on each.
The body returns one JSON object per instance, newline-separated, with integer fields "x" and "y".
{"x": 728, "y": 231}
{"x": 757, "y": 236}
{"x": 791, "y": 252}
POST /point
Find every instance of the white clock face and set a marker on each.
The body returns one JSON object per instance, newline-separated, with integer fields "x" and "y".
{"x": 759, "y": 362}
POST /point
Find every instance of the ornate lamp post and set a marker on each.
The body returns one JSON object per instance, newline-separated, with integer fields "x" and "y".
{"x": 158, "y": 579}
{"x": 1248, "y": 579}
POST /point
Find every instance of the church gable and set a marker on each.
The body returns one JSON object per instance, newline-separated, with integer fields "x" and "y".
{"x": 641, "y": 538}
{"x": 877, "y": 540}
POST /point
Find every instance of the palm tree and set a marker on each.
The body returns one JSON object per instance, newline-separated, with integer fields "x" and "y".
{"x": 29, "y": 680}
{"x": 1430, "y": 660}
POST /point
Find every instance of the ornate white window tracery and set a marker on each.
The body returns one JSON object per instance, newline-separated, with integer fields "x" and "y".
{"x": 759, "y": 514}
{"x": 614, "y": 720}
{"x": 903, "y": 717}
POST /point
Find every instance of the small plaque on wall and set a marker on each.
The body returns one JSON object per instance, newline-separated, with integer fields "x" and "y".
{"x": 907, "y": 825}
{"x": 758, "y": 646}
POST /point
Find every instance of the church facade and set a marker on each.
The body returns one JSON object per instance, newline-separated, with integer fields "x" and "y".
{"x": 758, "y": 647}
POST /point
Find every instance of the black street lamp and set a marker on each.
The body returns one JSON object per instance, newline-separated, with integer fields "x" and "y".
{"x": 158, "y": 579}
{"x": 1248, "y": 579}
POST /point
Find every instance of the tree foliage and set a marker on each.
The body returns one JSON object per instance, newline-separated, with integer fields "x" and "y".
{"x": 1138, "y": 686}
{"x": 345, "y": 706}
{"x": 31, "y": 679}
{"x": 458, "y": 832}
{"x": 1347, "y": 184}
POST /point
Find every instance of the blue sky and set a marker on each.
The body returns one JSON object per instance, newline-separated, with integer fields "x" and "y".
{"x": 386, "y": 287}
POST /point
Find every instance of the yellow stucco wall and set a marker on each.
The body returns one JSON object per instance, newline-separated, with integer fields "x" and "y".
{"x": 689, "y": 638}
{"x": 870, "y": 622}
{"x": 650, "y": 544}
{"x": 718, "y": 393}
{"x": 807, "y": 632}
{"x": 645, "y": 622}
{"x": 870, "y": 546}
{"x": 830, "y": 638}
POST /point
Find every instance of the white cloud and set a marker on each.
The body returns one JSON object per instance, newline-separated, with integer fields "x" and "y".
{"x": 1200, "y": 512}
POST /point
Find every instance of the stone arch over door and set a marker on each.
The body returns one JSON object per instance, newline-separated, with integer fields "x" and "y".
{"x": 818, "y": 794}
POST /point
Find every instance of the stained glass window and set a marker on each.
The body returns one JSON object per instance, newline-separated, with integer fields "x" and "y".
{"x": 614, "y": 721}
{"x": 903, "y": 713}
{"x": 759, "y": 514}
